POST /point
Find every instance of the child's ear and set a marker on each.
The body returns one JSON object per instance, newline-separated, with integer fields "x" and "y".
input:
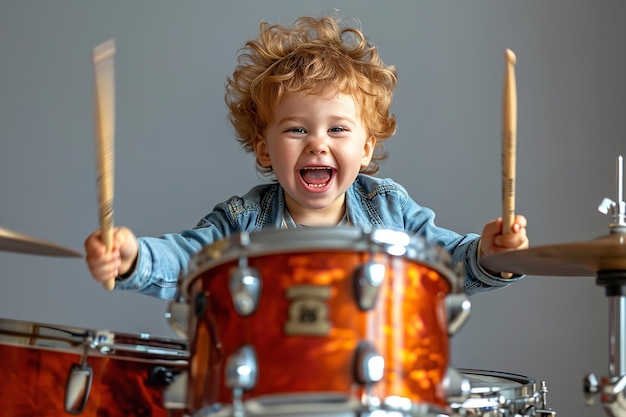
{"x": 262, "y": 152}
{"x": 368, "y": 151}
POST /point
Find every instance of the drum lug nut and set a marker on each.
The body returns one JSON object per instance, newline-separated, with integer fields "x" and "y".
{"x": 367, "y": 280}
{"x": 458, "y": 307}
{"x": 457, "y": 388}
{"x": 245, "y": 289}
{"x": 78, "y": 387}
{"x": 369, "y": 365}
{"x": 242, "y": 369}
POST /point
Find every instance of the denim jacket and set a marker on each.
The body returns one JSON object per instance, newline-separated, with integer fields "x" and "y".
{"x": 370, "y": 203}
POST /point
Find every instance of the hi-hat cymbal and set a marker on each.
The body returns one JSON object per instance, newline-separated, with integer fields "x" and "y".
{"x": 15, "y": 242}
{"x": 570, "y": 259}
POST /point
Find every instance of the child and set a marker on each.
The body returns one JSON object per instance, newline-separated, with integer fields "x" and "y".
{"x": 312, "y": 103}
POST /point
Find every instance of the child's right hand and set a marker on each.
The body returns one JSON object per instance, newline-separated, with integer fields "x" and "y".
{"x": 105, "y": 266}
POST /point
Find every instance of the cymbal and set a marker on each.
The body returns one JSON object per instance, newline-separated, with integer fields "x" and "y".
{"x": 569, "y": 259}
{"x": 15, "y": 242}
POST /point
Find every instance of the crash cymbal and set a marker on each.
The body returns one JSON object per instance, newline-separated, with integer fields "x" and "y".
{"x": 570, "y": 259}
{"x": 15, "y": 242}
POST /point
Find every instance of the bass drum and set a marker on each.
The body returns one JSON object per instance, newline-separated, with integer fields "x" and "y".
{"x": 51, "y": 370}
{"x": 500, "y": 394}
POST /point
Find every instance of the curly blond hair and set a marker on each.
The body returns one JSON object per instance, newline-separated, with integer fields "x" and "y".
{"x": 314, "y": 56}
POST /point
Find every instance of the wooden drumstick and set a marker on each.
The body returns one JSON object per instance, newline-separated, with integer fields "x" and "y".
{"x": 509, "y": 133}
{"x": 105, "y": 138}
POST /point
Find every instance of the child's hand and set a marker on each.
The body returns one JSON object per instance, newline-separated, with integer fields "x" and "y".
{"x": 493, "y": 239}
{"x": 105, "y": 266}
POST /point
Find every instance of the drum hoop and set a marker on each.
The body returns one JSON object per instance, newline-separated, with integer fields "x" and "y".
{"x": 320, "y": 239}
{"x": 128, "y": 346}
{"x": 525, "y": 383}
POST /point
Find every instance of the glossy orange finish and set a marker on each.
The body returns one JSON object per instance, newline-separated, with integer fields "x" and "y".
{"x": 32, "y": 383}
{"x": 407, "y": 326}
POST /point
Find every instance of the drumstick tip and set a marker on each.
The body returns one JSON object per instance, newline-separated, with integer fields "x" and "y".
{"x": 104, "y": 50}
{"x": 510, "y": 57}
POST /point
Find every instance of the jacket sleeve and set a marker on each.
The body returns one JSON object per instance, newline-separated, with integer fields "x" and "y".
{"x": 463, "y": 248}
{"x": 162, "y": 262}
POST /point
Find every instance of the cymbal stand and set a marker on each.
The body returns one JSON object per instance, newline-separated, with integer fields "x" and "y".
{"x": 612, "y": 389}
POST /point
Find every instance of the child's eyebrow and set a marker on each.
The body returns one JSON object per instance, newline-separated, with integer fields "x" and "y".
{"x": 304, "y": 118}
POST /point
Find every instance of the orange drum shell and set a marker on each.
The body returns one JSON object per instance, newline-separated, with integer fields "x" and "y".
{"x": 33, "y": 384}
{"x": 407, "y": 326}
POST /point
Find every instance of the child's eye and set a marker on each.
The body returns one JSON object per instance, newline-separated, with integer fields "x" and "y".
{"x": 300, "y": 130}
{"x": 337, "y": 129}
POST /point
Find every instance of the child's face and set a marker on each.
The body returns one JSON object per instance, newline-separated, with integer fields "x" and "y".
{"x": 316, "y": 146}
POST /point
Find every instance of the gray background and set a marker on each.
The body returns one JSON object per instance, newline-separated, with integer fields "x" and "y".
{"x": 176, "y": 155}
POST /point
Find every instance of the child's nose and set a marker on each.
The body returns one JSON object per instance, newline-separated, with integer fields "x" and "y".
{"x": 317, "y": 145}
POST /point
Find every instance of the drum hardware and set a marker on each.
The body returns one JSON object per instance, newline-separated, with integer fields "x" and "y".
{"x": 78, "y": 385}
{"x": 177, "y": 313}
{"x": 19, "y": 243}
{"x": 242, "y": 369}
{"x": 245, "y": 288}
{"x": 174, "y": 394}
{"x": 241, "y": 374}
{"x": 177, "y": 316}
{"x": 617, "y": 209}
{"x": 245, "y": 282}
{"x": 108, "y": 342}
{"x": 160, "y": 376}
{"x": 80, "y": 377}
{"x": 612, "y": 388}
{"x": 458, "y": 307}
{"x": 457, "y": 387}
{"x": 200, "y": 304}
{"x": 307, "y": 312}
{"x": 369, "y": 368}
{"x": 500, "y": 394}
{"x": 367, "y": 281}
{"x": 544, "y": 410}
{"x": 320, "y": 405}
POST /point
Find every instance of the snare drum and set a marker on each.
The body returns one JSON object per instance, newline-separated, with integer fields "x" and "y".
{"x": 500, "y": 394}
{"x": 50, "y": 370}
{"x": 318, "y": 319}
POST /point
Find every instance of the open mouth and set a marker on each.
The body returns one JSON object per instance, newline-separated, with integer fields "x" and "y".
{"x": 316, "y": 177}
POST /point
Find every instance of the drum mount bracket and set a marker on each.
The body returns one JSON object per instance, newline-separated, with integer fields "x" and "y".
{"x": 611, "y": 392}
{"x": 612, "y": 389}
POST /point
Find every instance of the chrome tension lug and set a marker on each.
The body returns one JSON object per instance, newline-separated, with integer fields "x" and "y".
{"x": 367, "y": 281}
{"x": 458, "y": 388}
{"x": 245, "y": 288}
{"x": 458, "y": 307}
{"x": 369, "y": 365}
